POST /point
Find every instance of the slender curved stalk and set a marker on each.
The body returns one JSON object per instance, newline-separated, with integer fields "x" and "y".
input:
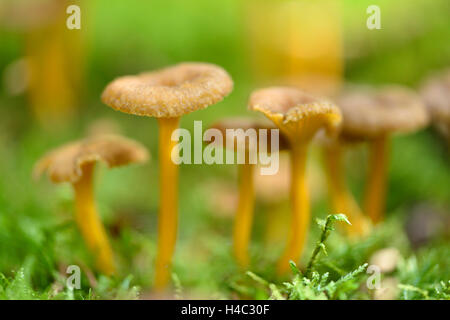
{"x": 375, "y": 195}
{"x": 168, "y": 202}
{"x": 300, "y": 209}
{"x": 89, "y": 221}
{"x": 341, "y": 197}
{"x": 244, "y": 215}
{"x": 50, "y": 92}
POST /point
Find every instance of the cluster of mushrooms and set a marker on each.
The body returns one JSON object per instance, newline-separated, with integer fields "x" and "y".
{"x": 357, "y": 114}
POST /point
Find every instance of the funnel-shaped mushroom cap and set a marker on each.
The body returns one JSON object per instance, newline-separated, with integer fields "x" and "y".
{"x": 170, "y": 92}
{"x": 65, "y": 163}
{"x": 245, "y": 124}
{"x": 436, "y": 93}
{"x": 299, "y": 115}
{"x": 368, "y": 112}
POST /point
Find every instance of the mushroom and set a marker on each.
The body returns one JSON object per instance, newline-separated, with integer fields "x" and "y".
{"x": 167, "y": 95}
{"x": 53, "y": 57}
{"x": 299, "y": 116}
{"x": 436, "y": 94}
{"x": 374, "y": 114}
{"x": 74, "y": 163}
{"x": 244, "y": 213}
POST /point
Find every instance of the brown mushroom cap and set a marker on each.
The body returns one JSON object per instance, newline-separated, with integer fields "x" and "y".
{"x": 170, "y": 92}
{"x": 371, "y": 112}
{"x": 249, "y": 123}
{"x": 436, "y": 93}
{"x": 296, "y": 113}
{"x": 65, "y": 163}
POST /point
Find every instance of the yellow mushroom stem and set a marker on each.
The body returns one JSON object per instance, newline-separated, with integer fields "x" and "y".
{"x": 300, "y": 215}
{"x": 375, "y": 194}
{"x": 89, "y": 221}
{"x": 50, "y": 92}
{"x": 168, "y": 201}
{"x": 341, "y": 197}
{"x": 244, "y": 215}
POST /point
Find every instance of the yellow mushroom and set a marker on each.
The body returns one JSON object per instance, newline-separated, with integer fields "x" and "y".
{"x": 167, "y": 95}
{"x": 374, "y": 114}
{"x": 244, "y": 213}
{"x": 342, "y": 199}
{"x": 299, "y": 116}
{"x": 74, "y": 163}
{"x": 53, "y": 56}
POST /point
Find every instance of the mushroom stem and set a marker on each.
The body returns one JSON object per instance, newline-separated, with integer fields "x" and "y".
{"x": 341, "y": 197}
{"x": 375, "y": 195}
{"x": 168, "y": 201}
{"x": 276, "y": 222}
{"x": 50, "y": 92}
{"x": 299, "y": 206}
{"x": 89, "y": 222}
{"x": 244, "y": 214}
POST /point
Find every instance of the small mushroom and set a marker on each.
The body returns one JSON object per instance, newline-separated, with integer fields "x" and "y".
{"x": 373, "y": 115}
{"x": 436, "y": 94}
{"x": 167, "y": 95}
{"x": 299, "y": 116}
{"x": 244, "y": 214}
{"x": 74, "y": 163}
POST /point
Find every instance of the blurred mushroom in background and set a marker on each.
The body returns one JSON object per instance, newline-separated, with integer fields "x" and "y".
{"x": 16, "y": 77}
{"x": 103, "y": 126}
{"x": 425, "y": 223}
{"x": 243, "y": 137}
{"x": 342, "y": 199}
{"x": 388, "y": 290}
{"x": 222, "y": 198}
{"x": 272, "y": 191}
{"x": 386, "y": 259}
{"x": 296, "y": 43}
{"x": 436, "y": 94}
{"x": 53, "y": 57}
{"x": 374, "y": 115}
